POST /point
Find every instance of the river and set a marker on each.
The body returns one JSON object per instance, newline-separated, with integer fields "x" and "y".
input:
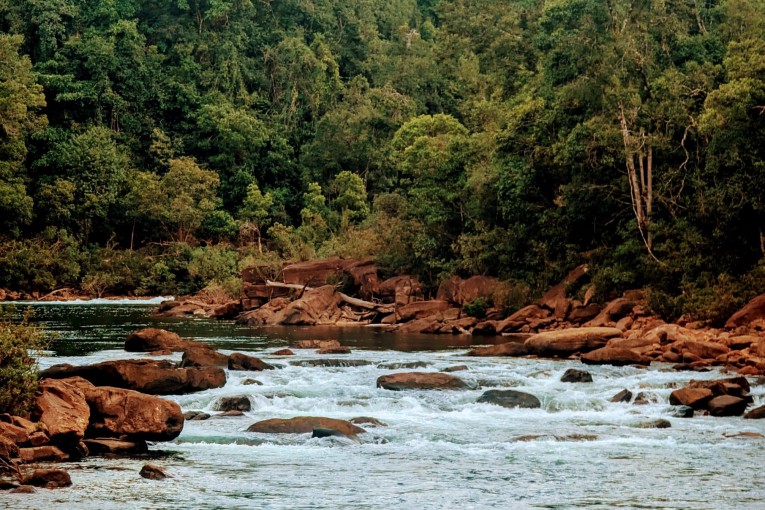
{"x": 439, "y": 449}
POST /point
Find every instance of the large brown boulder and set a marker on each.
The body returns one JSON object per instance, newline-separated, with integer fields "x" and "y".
{"x": 752, "y": 311}
{"x": 316, "y": 307}
{"x": 303, "y": 425}
{"x": 266, "y": 314}
{"x": 62, "y": 408}
{"x": 400, "y": 290}
{"x": 510, "y": 399}
{"x": 616, "y": 309}
{"x": 616, "y": 356}
{"x": 569, "y": 341}
{"x": 314, "y": 273}
{"x": 48, "y": 478}
{"x": 420, "y": 381}
{"x": 239, "y": 361}
{"x": 42, "y": 454}
{"x": 153, "y": 339}
{"x": 458, "y": 291}
{"x": 155, "y": 377}
{"x": 227, "y": 311}
{"x": 364, "y": 274}
{"x": 506, "y": 349}
{"x": 421, "y": 310}
{"x": 427, "y": 325}
{"x": 521, "y": 317}
{"x": 315, "y": 344}
{"x": 202, "y": 356}
{"x": 704, "y": 350}
{"x": 117, "y": 412}
{"x": 727, "y": 405}
{"x": 696, "y": 398}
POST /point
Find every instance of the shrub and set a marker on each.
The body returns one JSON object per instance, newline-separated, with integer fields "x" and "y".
{"x": 476, "y": 308}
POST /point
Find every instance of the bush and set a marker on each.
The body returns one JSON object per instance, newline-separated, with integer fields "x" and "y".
{"x": 20, "y": 344}
{"x": 476, "y": 308}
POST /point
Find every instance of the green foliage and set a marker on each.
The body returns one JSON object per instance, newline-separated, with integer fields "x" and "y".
{"x": 40, "y": 264}
{"x": 476, "y": 308}
{"x": 20, "y": 344}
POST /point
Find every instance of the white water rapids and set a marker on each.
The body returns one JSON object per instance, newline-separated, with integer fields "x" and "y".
{"x": 439, "y": 449}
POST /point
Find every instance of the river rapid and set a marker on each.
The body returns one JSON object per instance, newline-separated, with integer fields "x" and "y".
{"x": 439, "y": 449}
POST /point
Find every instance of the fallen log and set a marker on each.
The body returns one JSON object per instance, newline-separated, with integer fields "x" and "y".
{"x": 359, "y": 303}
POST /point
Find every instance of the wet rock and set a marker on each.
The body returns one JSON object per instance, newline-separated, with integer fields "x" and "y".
{"x": 642, "y": 399}
{"x": 39, "y": 438}
{"x": 506, "y": 349}
{"x": 239, "y": 361}
{"x": 121, "y": 413}
{"x": 47, "y": 478}
{"x": 154, "y": 377}
{"x": 230, "y": 413}
{"x": 727, "y": 405}
{"x": 565, "y": 342}
{"x": 736, "y": 386}
{"x": 153, "y": 339}
{"x": 334, "y": 350}
{"x": 115, "y": 446}
{"x": 660, "y": 423}
{"x": 366, "y": 420}
{"x": 42, "y": 453}
{"x": 321, "y": 433}
{"x": 456, "y": 368}
{"x": 510, "y": 398}
{"x": 683, "y": 412}
{"x": 62, "y": 408}
{"x": 265, "y": 314}
{"x": 240, "y": 403}
{"x": 428, "y": 325}
{"x": 573, "y": 375}
{"x": 485, "y": 328}
{"x": 615, "y": 356}
{"x": 622, "y": 396}
{"x": 303, "y": 425}
{"x": 315, "y": 344}
{"x": 331, "y": 363}
{"x": 420, "y": 381}
{"x": 756, "y": 414}
{"x": 283, "y": 352}
{"x": 227, "y": 311}
{"x": 403, "y": 365}
{"x": 696, "y": 398}
{"x": 250, "y": 382}
{"x": 195, "y": 416}
{"x": 23, "y": 489}
{"x": 203, "y": 357}
{"x": 153, "y": 472}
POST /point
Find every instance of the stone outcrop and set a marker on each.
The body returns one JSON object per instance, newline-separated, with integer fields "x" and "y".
{"x": 457, "y": 291}
{"x": 62, "y": 408}
{"x": 316, "y": 307}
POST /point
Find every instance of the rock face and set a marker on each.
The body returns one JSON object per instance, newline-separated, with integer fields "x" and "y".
{"x": 753, "y": 310}
{"x": 304, "y": 424}
{"x": 63, "y": 409}
{"x": 506, "y": 349}
{"x": 147, "y": 376}
{"x": 616, "y": 356}
{"x": 569, "y": 341}
{"x": 316, "y": 307}
{"x": 153, "y": 339}
{"x": 239, "y": 361}
{"x": 572, "y": 375}
{"x": 117, "y": 412}
{"x": 420, "y": 381}
{"x": 510, "y": 398}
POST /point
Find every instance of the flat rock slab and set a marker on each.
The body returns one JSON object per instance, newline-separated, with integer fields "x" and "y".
{"x": 568, "y": 341}
{"x": 421, "y": 381}
{"x": 506, "y": 349}
{"x": 303, "y": 425}
{"x": 510, "y": 399}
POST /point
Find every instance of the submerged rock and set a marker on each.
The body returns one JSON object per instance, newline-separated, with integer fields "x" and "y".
{"x": 660, "y": 423}
{"x": 239, "y": 361}
{"x": 303, "y": 425}
{"x": 683, "y": 412}
{"x": 506, "y": 349}
{"x": 331, "y": 363}
{"x": 48, "y": 478}
{"x": 727, "y": 405}
{"x": 420, "y": 381}
{"x": 153, "y": 472}
{"x": 455, "y": 368}
{"x": 573, "y": 375}
{"x": 622, "y": 396}
{"x": 510, "y": 398}
{"x": 241, "y": 403}
{"x": 366, "y": 420}
{"x": 403, "y": 365}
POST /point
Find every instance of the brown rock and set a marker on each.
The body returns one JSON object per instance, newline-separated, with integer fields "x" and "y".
{"x": 39, "y": 438}
{"x": 263, "y": 292}
{"x": 303, "y": 425}
{"x": 420, "y": 381}
{"x": 614, "y": 311}
{"x": 703, "y": 350}
{"x": 366, "y": 420}
{"x": 315, "y": 344}
{"x": 266, "y": 314}
{"x": 316, "y": 307}
{"x": 227, "y": 311}
{"x": 155, "y": 377}
{"x": 401, "y": 290}
{"x": 455, "y": 368}
{"x": 117, "y": 412}
{"x": 459, "y": 292}
{"x": 736, "y": 386}
{"x": 48, "y": 478}
{"x": 153, "y": 472}
{"x": 486, "y": 328}
{"x": 582, "y": 313}
{"x": 334, "y": 350}
{"x": 427, "y": 325}
{"x": 314, "y": 273}
{"x": 622, "y": 396}
{"x": 506, "y": 349}
{"x": 63, "y": 409}
{"x": 283, "y": 352}
{"x": 18, "y": 435}
{"x": 365, "y": 277}
{"x": 115, "y": 446}
{"x": 614, "y": 356}
{"x": 239, "y": 361}
{"x": 23, "y": 489}
{"x": 240, "y": 403}
{"x": 755, "y": 414}
{"x": 696, "y": 398}
{"x": 521, "y": 317}
{"x": 421, "y": 310}
{"x": 568, "y": 341}
{"x": 727, "y": 405}
{"x": 42, "y": 453}
{"x": 153, "y": 339}
{"x": 203, "y": 356}
{"x": 753, "y": 310}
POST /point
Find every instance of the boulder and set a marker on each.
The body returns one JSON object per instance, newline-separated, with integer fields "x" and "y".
{"x": 153, "y": 339}
{"x": 736, "y": 386}
{"x": 506, "y": 349}
{"x": 455, "y": 368}
{"x": 485, "y": 328}
{"x": 314, "y": 273}
{"x": 334, "y": 350}
{"x": 573, "y": 375}
{"x": 428, "y": 325}
{"x": 241, "y": 403}
{"x": 23, "y": 489}
{"x": 315, "y": 344}
{"x": 202, "y": 356}
{"x": 727, "y": 405}
{"x": 420, "y": 381}
{"x": 565, "y": 342}
{"x": 195, "y": 416}
{"x": 459, "y": 292}
{"x": 756, "y": 414}
{"x": 266, "y": 314}
{"x": 62, "y": 408}
{"x": 42, "y": 453}
{"x": 316, "y": 307}
{"x": 303, "y": 425}
{"x": 400, "y": 290}
{"x": 696, "y": 398}
{"x": 659, "y": 423}
{"x": 510, "y": 398}
{"x": 153, "y": 472}
{"x": 406, "y": 365}
{"x": 155, "y": 377}
{"x": 622, "y": 396}
{"x": 521, "y": 317}
{"x": 582, "y": 313}
{"x": 227, "y": 311}
{"x": 18, "y": 435}
{"x": 364, "y": 275}
{"x": 48, "y": 478}
{"x": 752, "y": 311}
{"x": 615, "y": 310}
{"x": 703, "y": 350}
{"x": 614, "y": 356}
{"x": 683, "y": 412}
{"x": 121, "y": 413}
{"x": 366, "y": 420}
{"x": 8, "y": 449}
{"x": 421, "y": 310}
{"x": 239, "y": 361}
{"x": 283, "y": 352}
{"x": 115, "y": 446}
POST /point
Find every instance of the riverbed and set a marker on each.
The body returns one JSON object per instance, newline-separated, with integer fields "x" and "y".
{"x": 440, "y": 449}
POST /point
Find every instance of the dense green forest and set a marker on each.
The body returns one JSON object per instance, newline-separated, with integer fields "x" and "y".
{"x": 156, "y": 146}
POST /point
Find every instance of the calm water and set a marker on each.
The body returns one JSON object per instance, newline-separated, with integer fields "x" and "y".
{"x": 439, "y": 450}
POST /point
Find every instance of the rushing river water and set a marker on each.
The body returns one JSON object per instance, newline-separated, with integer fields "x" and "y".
{"x": 439, "y": 449}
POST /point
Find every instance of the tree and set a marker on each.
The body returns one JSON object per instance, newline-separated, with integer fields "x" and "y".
{"x": 256, "y": 211}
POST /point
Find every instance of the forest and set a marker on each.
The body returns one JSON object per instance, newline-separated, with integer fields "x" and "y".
{"x": 157, "y": 147}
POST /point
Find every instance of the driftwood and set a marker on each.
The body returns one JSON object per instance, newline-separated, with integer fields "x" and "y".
{"x": 360, "y": 303}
